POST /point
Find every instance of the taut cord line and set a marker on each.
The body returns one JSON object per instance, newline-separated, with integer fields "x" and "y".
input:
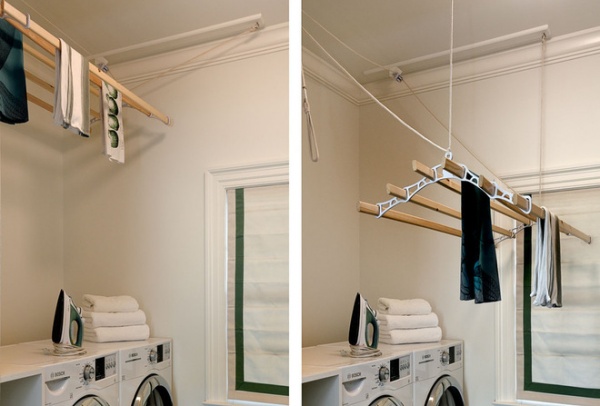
{"x": 357, "y": 83}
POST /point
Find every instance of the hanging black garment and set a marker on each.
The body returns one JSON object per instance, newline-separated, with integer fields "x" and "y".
{"x": 13, "y": 92}
{"x": 479, "y": 267}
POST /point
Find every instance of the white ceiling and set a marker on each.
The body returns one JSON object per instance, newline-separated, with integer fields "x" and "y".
{"x": 390, "y": 31}
{"x": 97, "y": 28}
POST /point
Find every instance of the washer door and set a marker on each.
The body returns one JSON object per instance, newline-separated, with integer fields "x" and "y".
{"x": 386, "y": 401}
{"x": 445, "y": 392}
{"x": 91, "y": 400}
{"x": 154, "y": 391}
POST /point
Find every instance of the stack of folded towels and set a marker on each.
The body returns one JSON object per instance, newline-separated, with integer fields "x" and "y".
{"x": 113, "y": 318}
{"x": 407, "y": 321}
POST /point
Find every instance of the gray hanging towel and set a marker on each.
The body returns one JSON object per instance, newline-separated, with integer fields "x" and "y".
{"x": 547, "y": 285}
{"x": 479, "y": 268}
{"x": 13, "y": 92}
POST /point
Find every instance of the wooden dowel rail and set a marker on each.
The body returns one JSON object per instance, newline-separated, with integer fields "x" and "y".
{"x": 435, "y": 206}
{"x": 373, "y": 209}
{"x": 47, "y": 86}
{"x": 50, "y": 44}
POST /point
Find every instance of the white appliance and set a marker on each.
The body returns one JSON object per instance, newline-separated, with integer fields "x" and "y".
{"x": 146, "y": 374}
{"x": 84, "y": 381}
{"x": 378, "y": 382}
{"x": 384, "y": 380}
{"x": 438, "y": 374}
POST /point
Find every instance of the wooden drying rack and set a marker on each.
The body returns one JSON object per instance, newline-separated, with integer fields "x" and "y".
{"x": 516, "y": 207}
{"x": 50, "y": 44}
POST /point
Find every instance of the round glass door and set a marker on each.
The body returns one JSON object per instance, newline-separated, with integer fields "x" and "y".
{"x": 91, "y": 401}
{"x": 154, "y": 391}
{"x": 386, "y": 401}
{"x": 445, "y": 392}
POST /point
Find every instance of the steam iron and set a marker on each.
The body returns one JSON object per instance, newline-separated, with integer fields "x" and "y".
{"x": 67, "y": 330}
{"x": 364, "y": 330}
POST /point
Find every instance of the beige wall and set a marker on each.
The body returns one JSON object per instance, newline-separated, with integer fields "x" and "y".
{"x": 138, "y": 228}
{"x": 330, "y": 249}
{"x": 32, "y": 228}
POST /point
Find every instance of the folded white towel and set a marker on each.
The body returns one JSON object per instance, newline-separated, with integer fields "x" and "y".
{"x": 106, "y": 304}
{"x": 104, "y": 319}
{"x": 418, "y": 335}
{"x": 72, "y": 91}
{"x": 405, "y": 307}
{"x": 398, "y": 321}
{"x": 110, "y": 334}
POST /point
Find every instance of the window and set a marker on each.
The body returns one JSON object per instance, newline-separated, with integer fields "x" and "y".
{"x": 560, "y": 356}
{"x": 247, "y": 287}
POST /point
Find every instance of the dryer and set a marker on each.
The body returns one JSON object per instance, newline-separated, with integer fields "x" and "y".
{"x": 84, "y": 381}
{"x": 146, "y": 374}
{"x": 438, "y": 374}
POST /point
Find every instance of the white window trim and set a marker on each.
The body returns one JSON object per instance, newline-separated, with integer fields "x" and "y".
{"x": 506, "y": 323}
{"x": 216, "y": 183}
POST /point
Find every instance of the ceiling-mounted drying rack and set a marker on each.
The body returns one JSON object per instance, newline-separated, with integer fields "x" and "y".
{"x": 449, "y": 174}
{"x": 50, "y": 44}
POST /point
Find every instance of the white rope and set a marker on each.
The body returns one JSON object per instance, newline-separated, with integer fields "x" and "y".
{"x": 312, "y": 139}
{"x": 542, "y": 111}
{"x": 252, "y": 29}
{"x": 449, "y": 152}
{"x": 371, "y": 95}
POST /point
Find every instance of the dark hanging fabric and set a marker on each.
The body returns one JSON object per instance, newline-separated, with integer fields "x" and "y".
{"x": 13, "y": 93}
{"x": 479, "y": 268}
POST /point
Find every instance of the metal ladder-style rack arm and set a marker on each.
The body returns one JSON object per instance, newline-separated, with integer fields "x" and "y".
{"x": 456, "y": 187}
{"x": 50, "y": 44}
{"x": 440, "y": 208}
{"x": 518, "y": 203}
{"x": 505, "y": 202}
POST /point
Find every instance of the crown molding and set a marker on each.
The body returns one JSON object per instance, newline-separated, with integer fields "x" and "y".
{"x": 554, "y": 180}
{"x": 266, "y": 41}
{"x": 558, "y": 49}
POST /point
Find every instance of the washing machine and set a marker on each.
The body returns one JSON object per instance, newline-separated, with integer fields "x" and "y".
{"x": 382, "y": 381}
{"x": 438, "y": 374}
{"x": 82, "y": 381}
{"x": 146, "y": 374}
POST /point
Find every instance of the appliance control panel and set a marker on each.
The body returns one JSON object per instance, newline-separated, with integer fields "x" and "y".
{"x": 368, "y": 380}
{"x": 430, "y": 362}
{"x": 98, "y": 369}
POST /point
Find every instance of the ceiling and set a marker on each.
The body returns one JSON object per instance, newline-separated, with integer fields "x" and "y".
{"x": 390, "y": 31}
{"x": 99, "y": 28}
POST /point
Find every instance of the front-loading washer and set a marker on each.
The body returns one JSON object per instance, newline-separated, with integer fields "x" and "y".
{"x": 438, "y": 374}
{"x": 378, "y": 382}
{"x": 146, "y": 374}
{"x": 82, "y": 381}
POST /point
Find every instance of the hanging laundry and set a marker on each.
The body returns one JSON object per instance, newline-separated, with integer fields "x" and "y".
{"x": 112, "y": 123}
{"x": 13, "y": 92}
{"x": 72, "y": 91}
{"x": 547, "y": 286}
{"x": 479, "y": 268}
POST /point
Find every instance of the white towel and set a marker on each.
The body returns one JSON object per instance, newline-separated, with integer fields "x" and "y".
{"x": 72, "y": 91}
{"x": 112, "y": 123}
{"x": 104, "y": 319}
{"x": 107, "y": 304}
{"x": 418, "y": 335}
{"x": 405, "y": 307}
{"x": 546, "y": 285}
{"x": 110, "y": 334}
{"x": 398, "y": 321}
